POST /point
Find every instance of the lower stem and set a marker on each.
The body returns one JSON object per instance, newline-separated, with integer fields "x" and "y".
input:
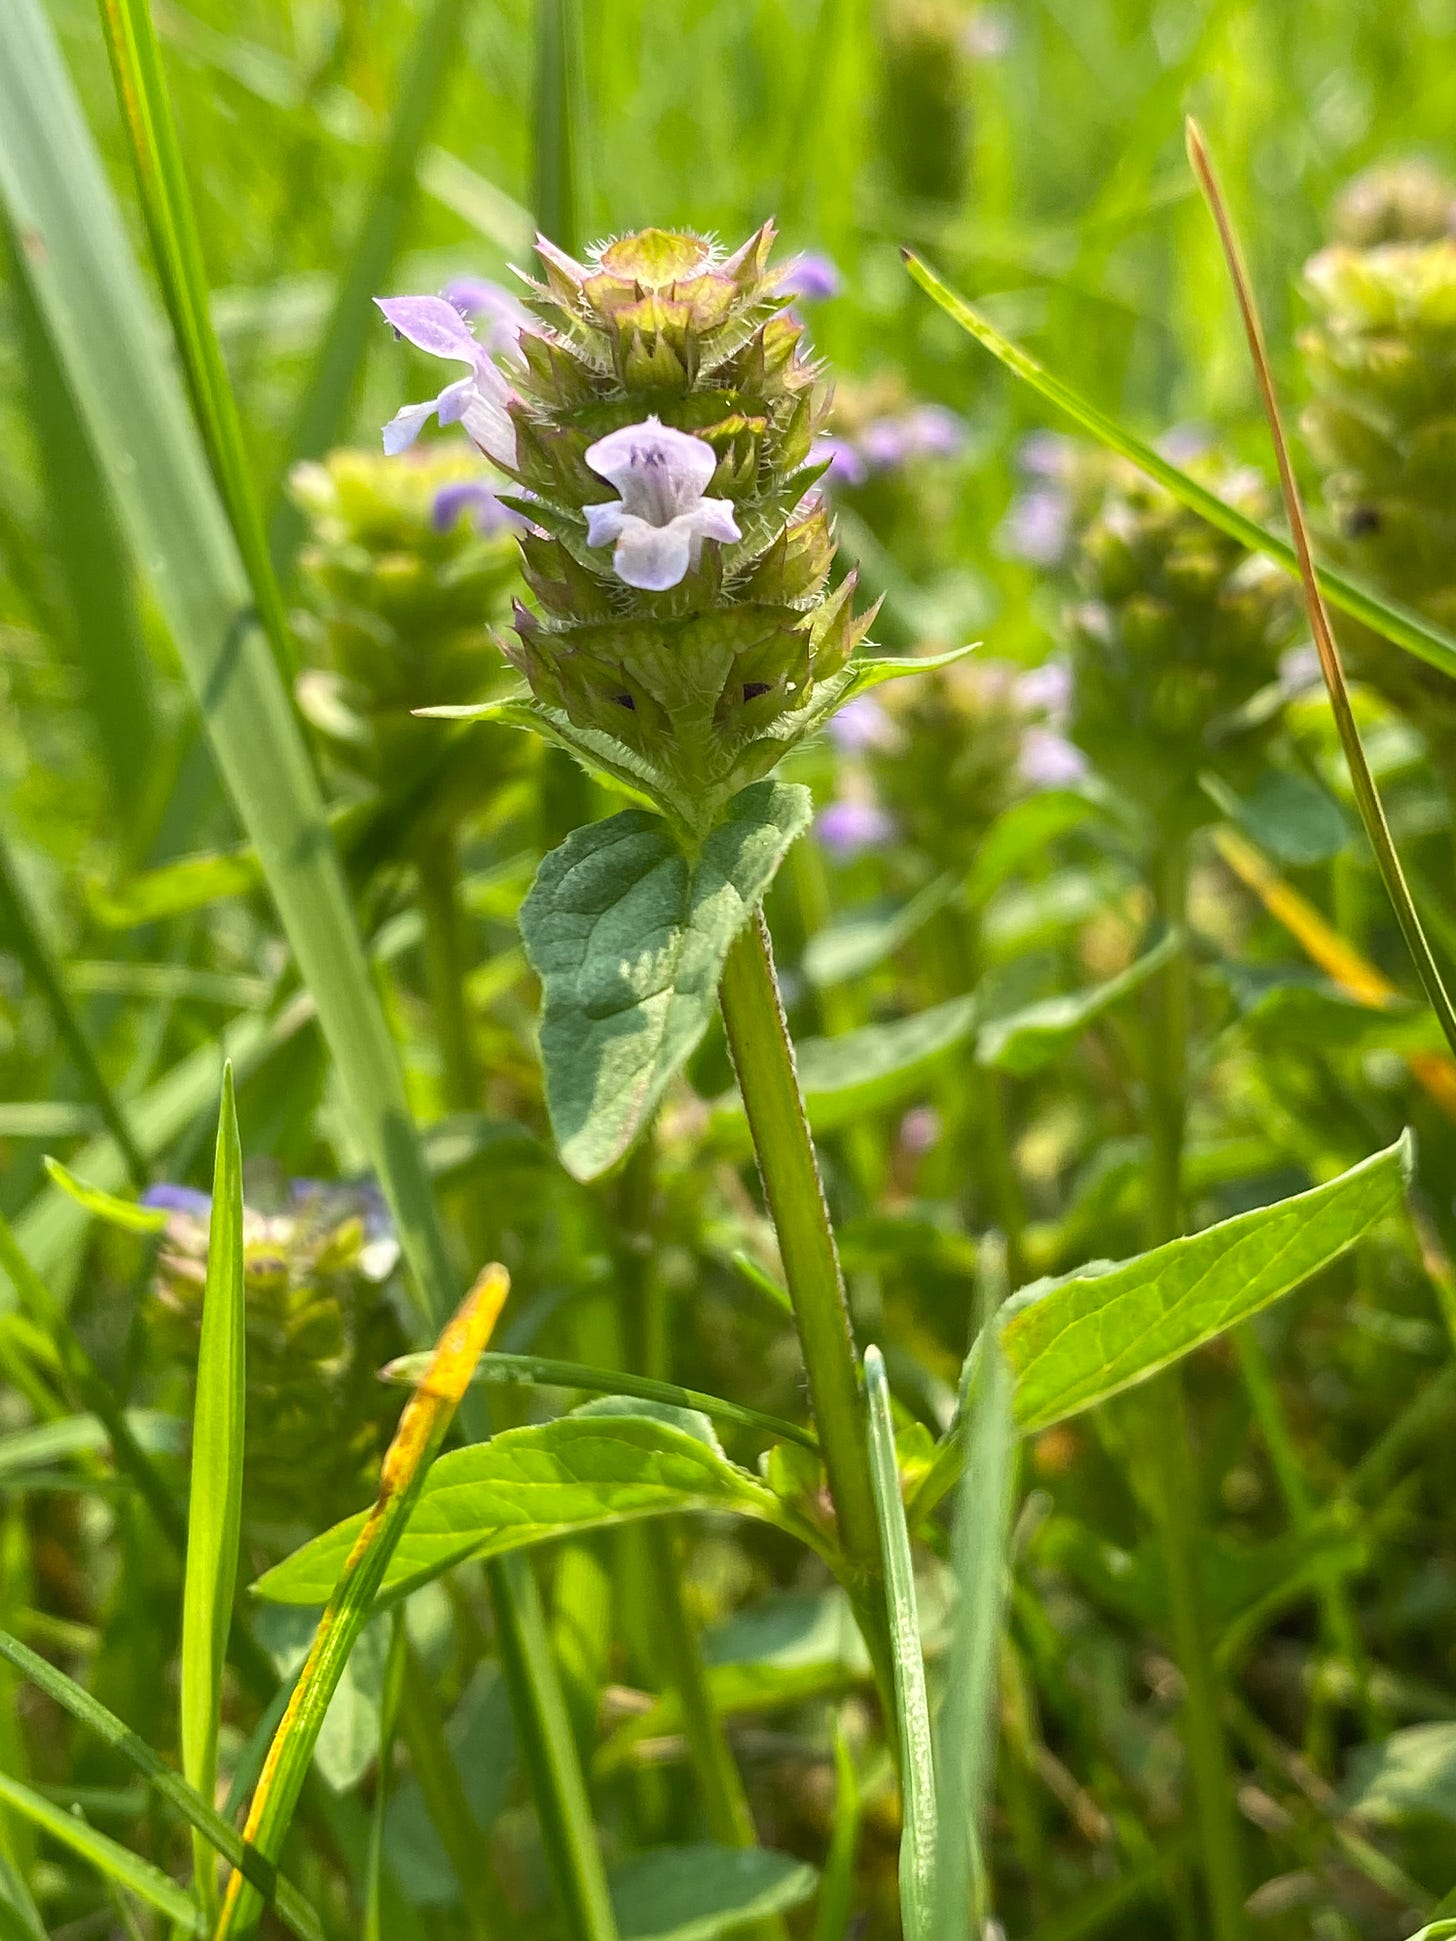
{"x": 763, "y": 1057}
{"x": 1169, "y": 1467}
{"x": 437, "y": 870}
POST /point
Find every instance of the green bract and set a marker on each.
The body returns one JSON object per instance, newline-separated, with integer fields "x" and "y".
{"x": 701, "y": 688}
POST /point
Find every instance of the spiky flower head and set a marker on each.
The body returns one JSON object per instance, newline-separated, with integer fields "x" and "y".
{"x": 949, "y": 762}
{"x": 405, "y": 566}
{"x": 658, "y": 417}
{"x": 1409, "y": 201}
{"x": 1380, "y": 354}
{"x": 316, "y": 1262}
{"x": 1178, "y": 629}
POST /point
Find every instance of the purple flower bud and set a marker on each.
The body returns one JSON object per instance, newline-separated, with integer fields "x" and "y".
{"x": 1044, "y": 455}
{"x": 861, "y": 726}
{"x": 846, "y": 467}
{"x": 474, "y": 495}
{"x": 1046, "y": 689}
{"x": 810, "y": 277}
{"x": 848, "y": 827}
{"x": 1050, "y": 761}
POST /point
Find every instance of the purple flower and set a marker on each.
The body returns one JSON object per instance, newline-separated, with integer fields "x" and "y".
{"x": 479, "y": 401}
{"x": 662, "y": 518}
{"x": 920, "y": 1129}
{"x": 924, "y": 431}
{"x": 862, "y": 725}
{"x": 845, "y": 464}
{"x": 476, "y": 297}
{"x": 1037, "y": 526}
{"x": 1046, "y": 689}
{"x": 810, "y": 277}
{"x": 1050, "y": 761}
{"x": 1045, "y": 455}
{"x": 848, "y": 827}
{"x": 167, "y": 1198}
{"x": 475, "y": 496}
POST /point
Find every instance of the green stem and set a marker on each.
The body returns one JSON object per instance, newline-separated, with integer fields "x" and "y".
{"x": 763, "y": 1056}
{"x": 437, "y": 871}
{"x": 461, "y": 1835}
{"x": 1169, "y": 1469}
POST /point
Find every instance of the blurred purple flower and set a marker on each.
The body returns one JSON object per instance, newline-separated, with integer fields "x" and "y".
{"x": 1184, "y": 442}
{"x": 847, "y": 828}
{"x": 167, "y": 1198}
{"x": 1046, "y": 689}
{"x": 846, "y": 467}
{"x": 862, "y": 725}
{"x": 482, "y": 301}
{"x": 1050, "y": 761}
{"x": 920, "y": 1130}
{"x": 490, "y": 516}
{"x": 1300, "y": 670}
{"x": 810, "y": 277}
{"x": 924, "y": 431}
{"x": 1044, "y": 454}
{"x": 1037, "y": 526}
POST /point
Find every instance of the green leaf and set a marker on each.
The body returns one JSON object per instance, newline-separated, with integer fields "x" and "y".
{"x": 1028, "y": 1039}
{"x": 1288, "y": 814}
{"x": 526, "y": 1486}
{"x": 1318, "y": 1016}
{"x": 697, "y": 1893}
{"x": 215, "y": 1502}
{"x": 1023, "y": 831}
{"x": 1412, "y": 1774}
{"x": 1389, "y": 619}
{"x": 917, "y": 1764}
{"x": 855, "y": 943}
{"x": 199, "y": 1813}
{"x": 628, "y": 937}
{"x": 114, "y": 1861}
{"x": 1072, "y": 1342}
{"x": 867, "y": 1070}
{"x": 126, "y": 1214}
{"x": 537, "y": 1371}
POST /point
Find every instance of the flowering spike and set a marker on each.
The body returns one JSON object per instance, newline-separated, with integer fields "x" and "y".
{"x": 661, "y": 418}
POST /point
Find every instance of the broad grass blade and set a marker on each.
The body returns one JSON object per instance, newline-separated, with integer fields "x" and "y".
{"x": 429, "y": 64}
{"x": 917, "y": 1765}
{"x": 215, "y": 1504}
{"x": 111, "y": 1860}
{"x": 141, "y": 93}
{"x": 1367, "y": 796}
{"x": 1393, "y": 622}
{"x": 19, "y": 925}
{"x": 966, "y": 1744}
{"x": 421, "y": 1431}
{"x": 89, "y": 1712}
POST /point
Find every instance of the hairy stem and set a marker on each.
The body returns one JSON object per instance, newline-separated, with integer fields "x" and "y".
{"x": 763, "y": 1057}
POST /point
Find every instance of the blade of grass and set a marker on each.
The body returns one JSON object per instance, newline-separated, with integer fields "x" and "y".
{"x": 1367, "y": 796}
{"x": 558, "y": 122}
{"x": 388, "y": 199}
{"x": 19, "y": 924}
{"x": 72, "y": 236}
{"x": 111, "y": 1860}
{"x": 141, "y": 92}
{"x": 199, "y": 1813}
{"x": 215, "y": 1504}
{"x": 1393, "y": 622}
{"x": 427, "y": 1416}
{"x": 389, "y": 1702}
{"x": 917, "y": 1765}
{"x": 966, "y": 1749}
{"x": 537, "y": 1371}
